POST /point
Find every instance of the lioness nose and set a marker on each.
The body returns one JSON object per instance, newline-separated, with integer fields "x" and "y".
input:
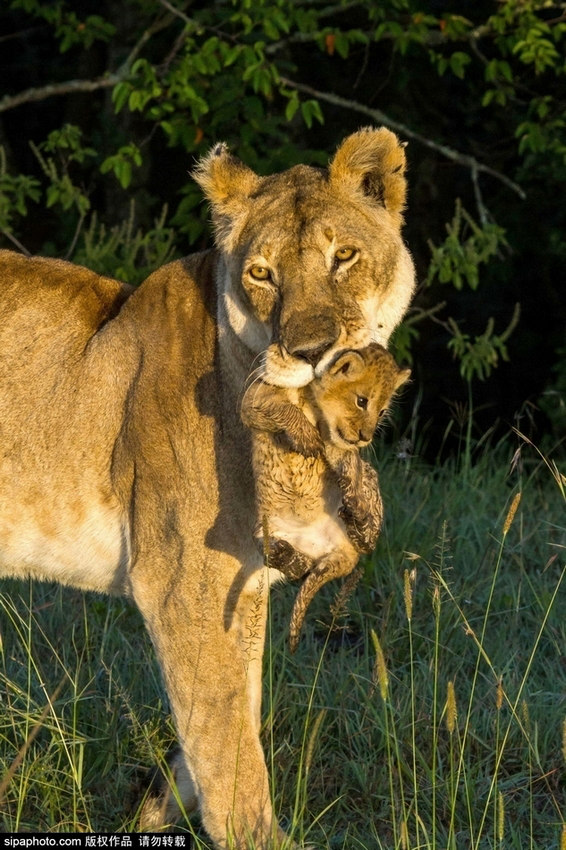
{"x": 311, "y": 344}
{"x": 311, "y": 355}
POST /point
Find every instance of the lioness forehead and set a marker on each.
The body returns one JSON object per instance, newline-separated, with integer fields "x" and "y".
{"x": 305, "y": 207}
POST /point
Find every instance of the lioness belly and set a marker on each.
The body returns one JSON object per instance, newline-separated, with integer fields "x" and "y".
{"x": 85, "y": 548}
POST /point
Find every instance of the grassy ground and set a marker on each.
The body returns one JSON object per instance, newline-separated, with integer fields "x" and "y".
{"x": 431, "y": 715}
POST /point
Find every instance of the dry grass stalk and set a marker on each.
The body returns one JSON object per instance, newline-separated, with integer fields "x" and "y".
{"x": 511, "y": 513}
{"x": 380, "y": 675}
{"x": 451, "y": 710}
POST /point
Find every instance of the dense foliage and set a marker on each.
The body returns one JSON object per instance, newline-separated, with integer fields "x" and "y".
{"x": 107, "y": 105}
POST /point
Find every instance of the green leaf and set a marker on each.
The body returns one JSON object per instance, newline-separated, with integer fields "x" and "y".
{"x": 341, "y": 44}
{"x": 120, "y": 94}
{"x": 121, "y": 163}
{"x": 458, "y": 62}
{"x": 292, "y": 106}
{"x": 232, "y": 55}
{"x": 310, "y": 109}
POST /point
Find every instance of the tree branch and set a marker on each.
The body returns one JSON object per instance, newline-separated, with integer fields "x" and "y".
{"x": 178, "y": 13}
{"x": 55, "y": 89}
{"x": 377, "y": 115}
{"x": 15, "y": 242}
{"x": 73, "y": 86}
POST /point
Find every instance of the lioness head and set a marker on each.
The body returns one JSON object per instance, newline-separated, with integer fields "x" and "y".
{"x": 354, "y": 393}
{"x": 312, "y": 260}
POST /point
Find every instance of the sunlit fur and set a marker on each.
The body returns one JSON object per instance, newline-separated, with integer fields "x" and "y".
{"x": 125, "y": 467}
{"x": 307, "y": 468}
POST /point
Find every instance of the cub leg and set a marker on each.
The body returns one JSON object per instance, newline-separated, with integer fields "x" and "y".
{"x": 282, "y": 555}
{"x": 338, "y": 563}
{"x": 267, "y": 408}
{"x": 207, "y": 670}
{"x": 362, "y": 507}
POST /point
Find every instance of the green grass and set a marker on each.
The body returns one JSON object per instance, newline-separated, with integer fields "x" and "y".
{"x": 431, "y": 715}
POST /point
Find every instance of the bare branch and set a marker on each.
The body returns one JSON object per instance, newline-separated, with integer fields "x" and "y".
{"x": 21, "y": 34}
{"x": 178, "y": 13}
{"x": 15, "y": 242}
{"x": 73, "y": 86}
{"x": 380, "y": 117}
{"x": 55, "y": 89}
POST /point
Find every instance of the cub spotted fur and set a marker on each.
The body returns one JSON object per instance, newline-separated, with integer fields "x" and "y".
{"x": 124, "y": 465}
{"x": 318, "y": 501}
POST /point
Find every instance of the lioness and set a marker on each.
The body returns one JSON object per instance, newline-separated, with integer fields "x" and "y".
{"x": 318, "y": 503}
{"x": 124, "y": 466}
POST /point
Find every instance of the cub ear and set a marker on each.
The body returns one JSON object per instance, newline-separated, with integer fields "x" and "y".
{"x": 348, "y": 363}
{"x": 373, "y": 161}
{"x": 226, "y": 182}
{"x": 402, "y": 376}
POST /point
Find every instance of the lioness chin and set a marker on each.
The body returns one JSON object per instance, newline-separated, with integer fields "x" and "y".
{"x": 124, "y": 466}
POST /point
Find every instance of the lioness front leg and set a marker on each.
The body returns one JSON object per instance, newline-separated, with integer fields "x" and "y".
{"x": 161, "y": 803}
{"x": 206, "y": 670}
{"x": 362, "y": 507}
{"x": 338, "y": 563}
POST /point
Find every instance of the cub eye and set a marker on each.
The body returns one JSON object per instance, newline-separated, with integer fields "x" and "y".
{"x": 260, "y": 273}
{"x": 382, "y": 412}
{"x": 362, "y": 402}
{"x": 343, "y": 254}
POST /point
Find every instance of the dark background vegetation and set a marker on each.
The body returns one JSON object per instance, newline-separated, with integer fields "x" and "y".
{"x": 105, "y": 106}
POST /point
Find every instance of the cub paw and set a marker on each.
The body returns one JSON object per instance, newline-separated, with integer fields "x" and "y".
{"x": 362, "y": 528}
{"x": 306, "y": 441}
{"x": 281, "y": 555}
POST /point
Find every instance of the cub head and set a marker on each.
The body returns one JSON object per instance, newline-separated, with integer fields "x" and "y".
{"x": 311, "y": 260}
{"x": 353, "y": 395}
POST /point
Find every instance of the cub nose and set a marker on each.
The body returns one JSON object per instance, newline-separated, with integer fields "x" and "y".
{"x": 365, "y": 435}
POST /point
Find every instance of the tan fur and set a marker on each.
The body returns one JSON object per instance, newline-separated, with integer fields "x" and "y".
{"x": 124, "y": 466}
{"x": 318, "y": 504}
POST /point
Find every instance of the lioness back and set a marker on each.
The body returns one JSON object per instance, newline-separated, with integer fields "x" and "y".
{"x": 58, "y": 517}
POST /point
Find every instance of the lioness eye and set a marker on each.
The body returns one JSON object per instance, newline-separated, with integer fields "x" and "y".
{"x": 260, "y": 273}
{"x": 343, "y": 254}
{"x": 362, "y": 402}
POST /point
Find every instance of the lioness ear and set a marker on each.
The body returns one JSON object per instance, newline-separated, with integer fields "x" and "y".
{"x": 226, "y": 182}
{"x": 373, "y": 161}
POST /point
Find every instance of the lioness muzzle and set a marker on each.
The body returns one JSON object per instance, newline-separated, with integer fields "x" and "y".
{"x": 323, "y": 332}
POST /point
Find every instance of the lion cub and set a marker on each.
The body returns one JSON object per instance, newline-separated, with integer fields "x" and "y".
{"x": 317, "y": 500}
